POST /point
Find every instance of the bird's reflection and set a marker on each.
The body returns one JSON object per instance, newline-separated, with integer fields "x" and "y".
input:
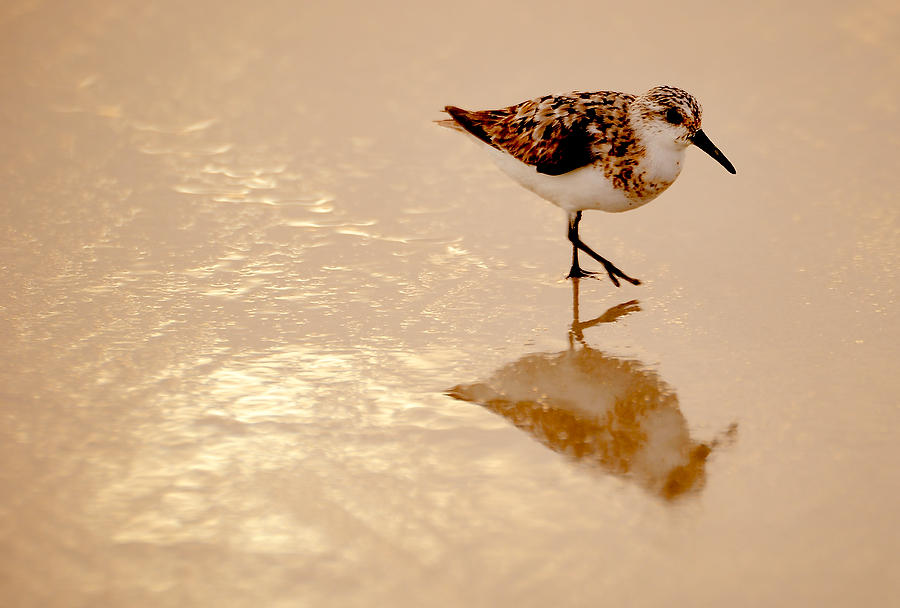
{"x": 604, "y": 411}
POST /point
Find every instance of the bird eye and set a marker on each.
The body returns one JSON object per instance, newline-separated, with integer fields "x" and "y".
{"x": 674, "y": 116}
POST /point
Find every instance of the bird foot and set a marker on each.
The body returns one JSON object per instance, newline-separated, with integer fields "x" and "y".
{"x": 578, "y": 273}
{"x": 614, "y": 275}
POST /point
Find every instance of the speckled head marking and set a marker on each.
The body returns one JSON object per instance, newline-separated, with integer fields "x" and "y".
{"x": 668, "y": 112}
{"x": 669, "y": 118}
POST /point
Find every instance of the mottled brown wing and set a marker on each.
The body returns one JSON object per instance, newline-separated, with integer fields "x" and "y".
{"x": 548, "y": 133}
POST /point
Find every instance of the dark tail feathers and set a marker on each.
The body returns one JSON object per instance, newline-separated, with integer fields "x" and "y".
{"x": 468, "y": 121}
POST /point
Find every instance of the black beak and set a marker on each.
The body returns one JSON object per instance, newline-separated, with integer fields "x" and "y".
{"x": 702, "y": 141}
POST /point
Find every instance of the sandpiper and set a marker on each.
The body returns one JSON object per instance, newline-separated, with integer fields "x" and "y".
{"x": 604, "y": 150}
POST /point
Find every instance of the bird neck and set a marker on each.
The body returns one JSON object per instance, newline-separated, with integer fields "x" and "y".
{"x": 663, "y": 160}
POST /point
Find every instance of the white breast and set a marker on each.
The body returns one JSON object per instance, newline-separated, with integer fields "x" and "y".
{"x": 587, "y": 187}
{"x": 663, "y": 161}
{"x": 584, "y": 188}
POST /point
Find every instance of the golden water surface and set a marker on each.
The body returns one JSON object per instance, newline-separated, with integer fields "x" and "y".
{"x": 272, "y": 338}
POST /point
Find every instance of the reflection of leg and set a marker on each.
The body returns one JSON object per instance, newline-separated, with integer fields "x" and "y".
{"x": 612, "y": 315}
{"x": 576, "y": 332}
{"x": 577, "y": 244}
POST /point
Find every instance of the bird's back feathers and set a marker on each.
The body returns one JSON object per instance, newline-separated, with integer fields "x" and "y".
{"x": 555, "y": 133}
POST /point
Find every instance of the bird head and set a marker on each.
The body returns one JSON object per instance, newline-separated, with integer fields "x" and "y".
{"x": 672, "y": 116}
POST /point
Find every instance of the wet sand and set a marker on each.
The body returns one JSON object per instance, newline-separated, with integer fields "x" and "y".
{"x": 274, "y": 338}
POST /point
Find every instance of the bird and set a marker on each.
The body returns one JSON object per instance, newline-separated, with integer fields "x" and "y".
{"x": 602, "y": 150}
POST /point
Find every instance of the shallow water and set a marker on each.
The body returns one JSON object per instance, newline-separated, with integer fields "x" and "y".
{"x": 245, "y": 277}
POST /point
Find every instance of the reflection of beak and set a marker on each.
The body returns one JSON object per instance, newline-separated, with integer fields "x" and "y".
{"x": 702, "y": 141}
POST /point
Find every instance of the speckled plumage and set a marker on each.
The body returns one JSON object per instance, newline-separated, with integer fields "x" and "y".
{"x": 604, "y": 150}
{"x": 558, "y": 133}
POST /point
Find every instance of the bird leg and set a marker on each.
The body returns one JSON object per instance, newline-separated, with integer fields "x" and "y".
{"x": 576, "y": 271}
